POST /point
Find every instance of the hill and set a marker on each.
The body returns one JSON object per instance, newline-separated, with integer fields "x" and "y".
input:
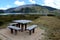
{"x": 30, "y": 8}
{"x": 33, "y": 8}
{"x": 49, "y": 8}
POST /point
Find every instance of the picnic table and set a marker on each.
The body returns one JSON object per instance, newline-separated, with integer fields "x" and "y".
{"x": 22, "y": 23}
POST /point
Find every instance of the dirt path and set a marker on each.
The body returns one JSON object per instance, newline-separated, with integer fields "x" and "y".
{"x": 6, "y": 35}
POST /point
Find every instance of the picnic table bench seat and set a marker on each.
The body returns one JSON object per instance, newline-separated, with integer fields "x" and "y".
{"x": 31, "y": 28}
{"x": 14, "y": 28}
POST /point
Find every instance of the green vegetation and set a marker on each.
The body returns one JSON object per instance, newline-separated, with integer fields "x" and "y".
{"x": 57, "y": 15}
{"x": 9, "y": 18}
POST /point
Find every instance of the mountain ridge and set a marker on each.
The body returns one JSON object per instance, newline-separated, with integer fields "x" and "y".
{"x": 29, "y": 7}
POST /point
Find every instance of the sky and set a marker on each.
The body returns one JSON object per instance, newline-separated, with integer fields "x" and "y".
{"x": 5, "y": 4}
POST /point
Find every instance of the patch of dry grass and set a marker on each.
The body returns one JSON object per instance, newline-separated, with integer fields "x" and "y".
{"x": 52, "y": 25}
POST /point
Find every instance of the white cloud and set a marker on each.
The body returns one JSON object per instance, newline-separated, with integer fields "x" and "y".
{"x": 52, "y": 3}
{"x": 3, "y": 8}
{"x": 18, "y": 3}
{"x": 32, "y": 1}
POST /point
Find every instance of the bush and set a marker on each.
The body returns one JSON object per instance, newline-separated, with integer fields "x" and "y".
{"x": 1, "y": 23}
{"x": 58, "y": 17}
{"x": 50, "y": 15}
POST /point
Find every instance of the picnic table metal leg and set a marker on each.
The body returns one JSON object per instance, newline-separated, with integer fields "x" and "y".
{"x": 25, "y": 26}
{"x": 11, "y": 31}
{"x": 33, "y": 30}
{"x": 29, "y": 32}
{"x": 22, "y": 27}
{"x": 18, "y": 25}
{"x": 15, "y": 32}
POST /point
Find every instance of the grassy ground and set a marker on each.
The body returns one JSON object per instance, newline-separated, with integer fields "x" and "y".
{"x": 51, "y": 25}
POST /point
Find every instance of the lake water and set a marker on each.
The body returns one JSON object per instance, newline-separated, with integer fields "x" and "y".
{"x": 11, "y": 13}
{"x": 17, "y": 13}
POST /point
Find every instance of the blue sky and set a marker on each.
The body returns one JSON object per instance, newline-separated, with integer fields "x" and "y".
{"x": 5, "y": 4}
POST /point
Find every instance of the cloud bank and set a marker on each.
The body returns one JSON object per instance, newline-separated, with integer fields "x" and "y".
{"x": 32, "y": 1}
{"x": 52, "y": 3}
{"x": 18, "y": 3}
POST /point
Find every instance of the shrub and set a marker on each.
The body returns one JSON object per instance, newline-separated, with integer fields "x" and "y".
{"x": 1, "y": 23}
{"x": 50, "y": 15}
